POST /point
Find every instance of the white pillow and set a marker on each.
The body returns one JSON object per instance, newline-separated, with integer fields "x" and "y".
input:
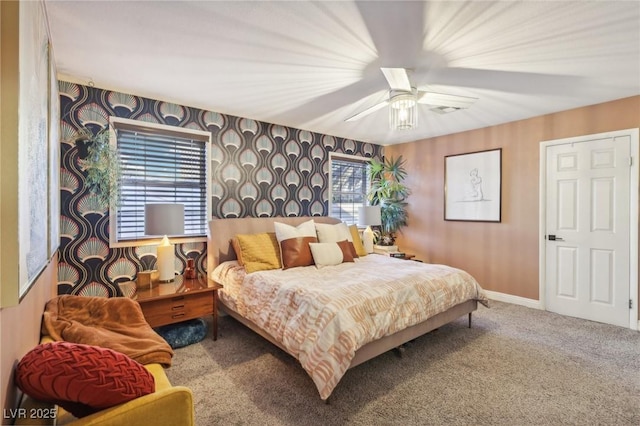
{"x": 302, "y": 254}
{"x": 326, "y": 254}
{"x": 328, "y": 233}
{"x": 284, "y": 231}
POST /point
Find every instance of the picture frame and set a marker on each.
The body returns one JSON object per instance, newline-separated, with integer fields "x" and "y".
{"x": 54, "y": 156}
{"x": 473, "y": 186}
{"x": 33, "y": 146}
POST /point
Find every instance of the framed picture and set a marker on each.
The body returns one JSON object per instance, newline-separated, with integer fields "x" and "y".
{"x": 54, "y": 157}
{"x": 473, "y": 186}
{"x": 33, "y": 146}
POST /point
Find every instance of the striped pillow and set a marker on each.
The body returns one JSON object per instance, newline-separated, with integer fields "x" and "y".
{"x": 329, "y": 254}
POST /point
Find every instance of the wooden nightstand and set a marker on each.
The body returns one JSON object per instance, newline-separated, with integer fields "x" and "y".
{"x": 180, "y": 300}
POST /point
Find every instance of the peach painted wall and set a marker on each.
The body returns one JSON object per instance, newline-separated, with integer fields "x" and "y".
{"x": 19, "y": 325}
{"x": 502, "y": 256}
{"x": 20, "y": 331}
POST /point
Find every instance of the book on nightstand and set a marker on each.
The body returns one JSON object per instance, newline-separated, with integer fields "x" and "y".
{"x": 384, "y": 249}
{"x": 398, "y": 254}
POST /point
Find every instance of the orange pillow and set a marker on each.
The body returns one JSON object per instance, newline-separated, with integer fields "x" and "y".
{"x": 348, "y": 251}
{"x": 352, "y": 250}
{"x": 236, "y": 247}
{"x": 296, "y": 252}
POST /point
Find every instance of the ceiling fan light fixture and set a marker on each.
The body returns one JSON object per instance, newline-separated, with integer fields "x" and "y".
{"x": 403, "y": 110}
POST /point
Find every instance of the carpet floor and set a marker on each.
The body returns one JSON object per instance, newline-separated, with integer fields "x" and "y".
{"x": 515, "y": 366}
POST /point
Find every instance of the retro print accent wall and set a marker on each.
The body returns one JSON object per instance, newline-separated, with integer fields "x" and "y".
{"x": 258, "y": 169}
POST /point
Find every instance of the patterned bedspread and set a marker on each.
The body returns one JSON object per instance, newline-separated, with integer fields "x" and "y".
{"x": 323, "y": 316}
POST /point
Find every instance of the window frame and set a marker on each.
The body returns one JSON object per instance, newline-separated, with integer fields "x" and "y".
{"x": 352, "y": 158}
{"x": 200, "y": 135}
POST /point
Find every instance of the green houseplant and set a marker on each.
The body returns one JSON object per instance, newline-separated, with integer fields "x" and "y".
{"x": 388, "y": 191}
{"x": 102, "y": 165}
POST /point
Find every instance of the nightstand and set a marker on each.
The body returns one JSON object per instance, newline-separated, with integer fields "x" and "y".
{"x": 180, "y": 300}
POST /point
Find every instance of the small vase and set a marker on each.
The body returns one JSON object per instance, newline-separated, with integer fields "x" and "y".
{"x": 190, "y": 270}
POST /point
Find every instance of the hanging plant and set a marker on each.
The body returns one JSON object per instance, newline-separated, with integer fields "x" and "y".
{"x": 102, "y": 165}
{"x": 388, "y": 191}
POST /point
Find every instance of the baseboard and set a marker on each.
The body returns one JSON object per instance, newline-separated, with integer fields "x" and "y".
{"x": 522, "y": 301}
{"x": 516, "y": 300}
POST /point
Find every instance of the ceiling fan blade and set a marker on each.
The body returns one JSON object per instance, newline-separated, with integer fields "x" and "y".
{"x": 396, "y": 29}
{"x": 504, "y": 81}
{"x": 397, "y": 78}
{"x": 368, "y": 111}
{"x": 443, "y": 99}
{"x": 329, "y": 102}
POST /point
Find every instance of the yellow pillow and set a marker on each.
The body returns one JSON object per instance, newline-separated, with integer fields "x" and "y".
{"x": 357, "y": 241}
{"x": 260, "y": 252}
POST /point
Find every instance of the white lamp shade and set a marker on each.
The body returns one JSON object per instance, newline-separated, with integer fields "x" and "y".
{"x": 164, "y": 219}
{"x": 369, "y": 216}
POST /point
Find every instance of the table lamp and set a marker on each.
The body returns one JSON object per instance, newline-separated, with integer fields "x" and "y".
{"x": 368, "y": 216}
{"x": 164, "y": 219}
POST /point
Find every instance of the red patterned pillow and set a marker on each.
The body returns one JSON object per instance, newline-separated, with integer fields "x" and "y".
{"x": 81, "y": 378}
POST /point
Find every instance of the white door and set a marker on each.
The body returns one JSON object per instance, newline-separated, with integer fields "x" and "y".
{"x": 587, "y": 232}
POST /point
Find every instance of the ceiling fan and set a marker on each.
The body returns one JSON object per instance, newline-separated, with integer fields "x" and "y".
{"x": 403, "y": 100}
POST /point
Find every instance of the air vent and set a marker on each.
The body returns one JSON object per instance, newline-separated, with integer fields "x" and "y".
{"x": 444, "y": 109}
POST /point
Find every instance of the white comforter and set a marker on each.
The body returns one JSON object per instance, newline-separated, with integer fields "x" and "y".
{"x": 323, "y": 316}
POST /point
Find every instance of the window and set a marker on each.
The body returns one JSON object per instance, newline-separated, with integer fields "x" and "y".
{"x": 349, "y": 185}
{"x": 159, "y": 164}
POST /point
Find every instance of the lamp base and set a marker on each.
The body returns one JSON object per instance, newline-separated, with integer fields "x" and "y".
{"x": 367, "y": 239}
{"x": 166, "y": 261}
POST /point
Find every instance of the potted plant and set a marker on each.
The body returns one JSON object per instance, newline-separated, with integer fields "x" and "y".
{"x": 101, "y": 163}
{"x": 388, "y": 191}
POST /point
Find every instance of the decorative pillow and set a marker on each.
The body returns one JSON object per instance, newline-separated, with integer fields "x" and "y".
{"x": 296, "y": 252}
{"x": 328, "y": 233}
{"x": 81, "y": 378}
{"x": 326, "y": 254}
{"x": 357, "y": 241}
{"x": 294, "y": 242}
{"x": 284, "y": 231}
{"x": 352, "y": 250}
{"x": 260, "y": 252}
{"x": 347, "y": 249}
{"x": 236, "y": 248}
{"x": 183, "y": 333}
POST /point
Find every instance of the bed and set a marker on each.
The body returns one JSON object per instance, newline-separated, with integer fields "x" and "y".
{"x": 336, "y": 317}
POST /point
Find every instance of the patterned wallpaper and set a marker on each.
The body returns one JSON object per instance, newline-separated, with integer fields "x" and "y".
{"x": 258, "y": 169}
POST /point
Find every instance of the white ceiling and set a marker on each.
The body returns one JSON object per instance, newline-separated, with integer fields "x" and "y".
{"x": 311, "y": 65}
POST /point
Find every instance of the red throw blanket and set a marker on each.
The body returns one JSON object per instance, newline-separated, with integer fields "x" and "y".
{"x": 116, "y": 323}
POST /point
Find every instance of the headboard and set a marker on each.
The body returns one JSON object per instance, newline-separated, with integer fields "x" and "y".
{"x": 222, "y": 230}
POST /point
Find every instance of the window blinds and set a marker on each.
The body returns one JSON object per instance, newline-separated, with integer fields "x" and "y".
{"x": 349, "y": 188}
{"x": 160, "y": 167}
